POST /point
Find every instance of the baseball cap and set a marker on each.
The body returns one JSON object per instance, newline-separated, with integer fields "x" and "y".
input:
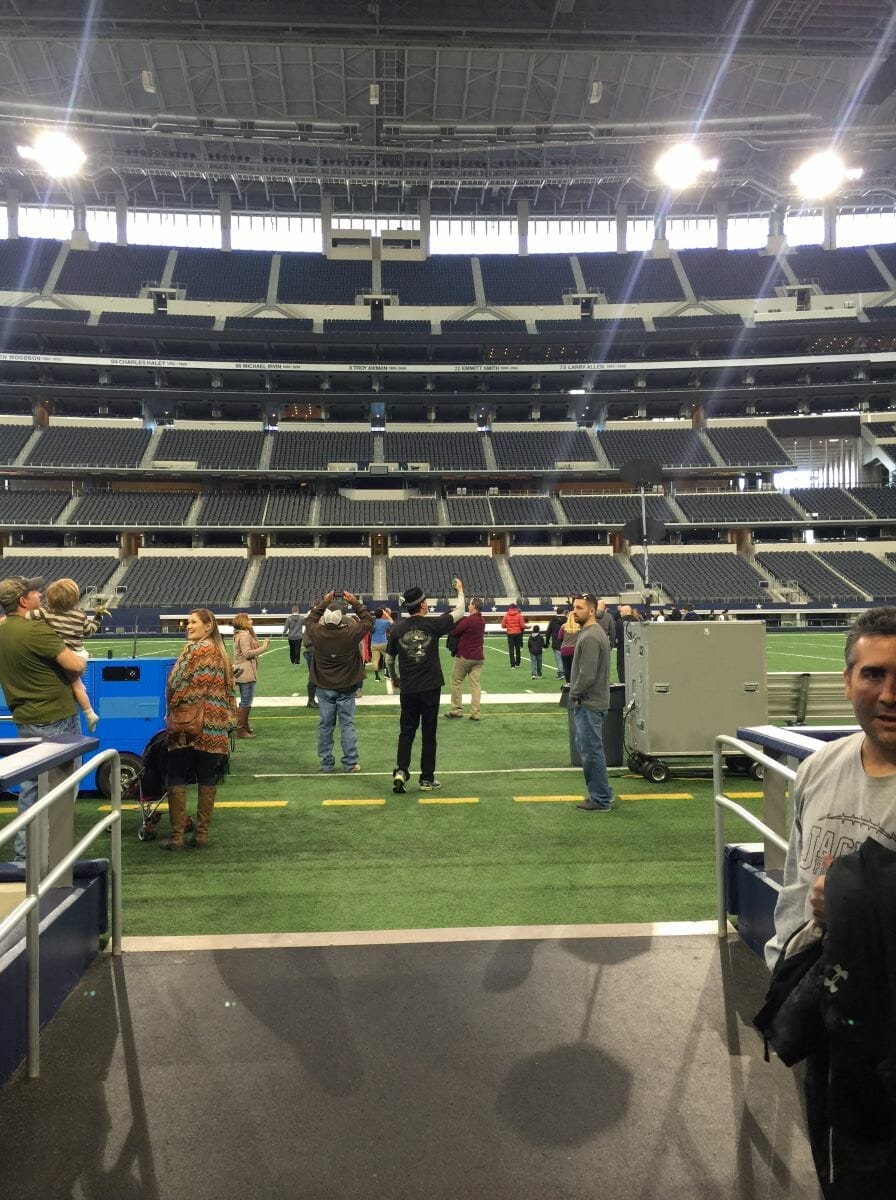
{"x": 334, "y": 614}
{"x": 413, "y": 597}
{"x": 14, "y": 588}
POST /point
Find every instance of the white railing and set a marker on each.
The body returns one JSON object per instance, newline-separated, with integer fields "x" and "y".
{"x": 35, "y": 887}
{"x": 725, "y": 744}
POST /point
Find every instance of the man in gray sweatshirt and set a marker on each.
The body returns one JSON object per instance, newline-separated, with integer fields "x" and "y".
{"x": 589, "y": 699}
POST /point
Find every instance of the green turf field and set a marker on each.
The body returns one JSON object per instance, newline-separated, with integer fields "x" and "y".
{"x": 297, "y": 864}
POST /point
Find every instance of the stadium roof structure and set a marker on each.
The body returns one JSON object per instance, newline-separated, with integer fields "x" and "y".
{"x": 470, "y": 105}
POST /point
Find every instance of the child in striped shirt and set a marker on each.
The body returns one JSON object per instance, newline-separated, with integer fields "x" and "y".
{"x": 73, "y": 625}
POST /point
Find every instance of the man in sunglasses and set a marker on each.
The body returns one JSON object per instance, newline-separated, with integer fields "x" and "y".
{"x": 589, "y": 699}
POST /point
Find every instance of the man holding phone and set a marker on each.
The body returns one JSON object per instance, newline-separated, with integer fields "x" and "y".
{"x": 337, "y": 671}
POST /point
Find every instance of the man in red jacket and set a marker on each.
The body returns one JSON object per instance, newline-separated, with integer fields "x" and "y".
{"x": 513, "y": 624}
{"x": 470, "y": 632}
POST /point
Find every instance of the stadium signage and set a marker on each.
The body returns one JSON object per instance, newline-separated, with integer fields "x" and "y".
{"x": 469, "y": 368}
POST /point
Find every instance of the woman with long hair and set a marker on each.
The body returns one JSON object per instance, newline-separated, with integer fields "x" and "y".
{"x": 246, "y": 649}
{"x": 569, "y": 633}
{"x": 202, "y": 675}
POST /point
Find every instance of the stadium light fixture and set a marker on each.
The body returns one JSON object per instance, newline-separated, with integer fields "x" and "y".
{"x": 56, "y": 153}
{"x": 681, "y": 166}
{"x": 822, "y": 174}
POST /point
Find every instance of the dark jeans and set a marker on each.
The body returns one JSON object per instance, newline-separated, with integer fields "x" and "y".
{"x": 535, "y": 660}
{"x": 419, "y": 708}
{"x": 515, "y": 647}
{"x": 312, "y": 688}
{"x": 187, "y": 763}
{"x": 295, "y": 651}
{"x": 567, "y": 666}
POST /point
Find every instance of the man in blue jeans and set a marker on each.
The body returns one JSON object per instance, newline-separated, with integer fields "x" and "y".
{"x": 36, "y": 669}
{"x": 337, "y": 671}
{"x": 589, "y": 699}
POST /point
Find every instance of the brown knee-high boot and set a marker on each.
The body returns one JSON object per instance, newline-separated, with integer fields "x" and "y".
{"x": 242, "y": 724}
{"x": 204, "y": 811}
{"x": 252, "y": 732}
{"x": 177, "y": 815}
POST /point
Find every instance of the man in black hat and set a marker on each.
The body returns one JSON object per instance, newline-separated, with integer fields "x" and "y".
{"x": 412, "y": 656}
{"x": 36, "y": 669}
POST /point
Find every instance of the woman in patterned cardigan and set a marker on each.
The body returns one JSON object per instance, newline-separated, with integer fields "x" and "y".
{"x": 203, "y": 674}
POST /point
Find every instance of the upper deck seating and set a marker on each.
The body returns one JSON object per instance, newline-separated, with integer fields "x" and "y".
{"x": 630, "y": 278}
{"x": 226, "y": 449}
{"x": 881, "y": 430}
{"x": 44, "y": 313}
{"x": 443, "y": 279}
{"x": 748, "y": 446}
{"x": 731, "y": 274}
{"x": 736, "y": 508}
{"x": 812, "y": 576}
{"x": 708, "y": 580}
{"x": 90, "y": 571}
{"x": 212, "y": 581}
{"x": 307, "y": 450}
{"x": 887, "y": 254}
{"x": 158, "y": 322}
{"x": 238, "y": 509}
{"x": 700, "y": 320}
{"x": 541, "y": 449}
{"x": 77, "y": 446}
{"x": 12, "y": 442}
{"x": 304, "y": 579}
{"x": 880, "y": 312}
{"x": 835, "y": 271}
{"x": 435, "y": 572}
{"x": 468, "y": 511}
{"x": 523, "y": 510}
{"x": 881, "y": 501}
{"x": 25, "y": 263}
{"x": 828, "y": 504}
{"x": 566, "y": 574}
{"x": 32, "y": 507}
{"x": 666, "y": 447}
{"x": 270, "y": 324}
{"x": 314, "y": 279}
{"x": 369, "y": 514}
{"x": 143, "y": 510}
{"x": 866, "y": 571}
{"x": 485, "y": 325}
{"x": 110, "y": 270}
{"x": 534, "y": 279}
{"x": 288, "y": 508}
{"x": 614, "y": 509}
{"x": 222, "y": 274}
{"x": 443, "y": 451}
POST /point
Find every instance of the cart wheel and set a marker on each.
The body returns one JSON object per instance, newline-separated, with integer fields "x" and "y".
{"x": 633, "y": 763}
{"x": 130, "y": 769}
{"x": 756, "y": 770}
{"x": 656, "y": 771}
{"x": 143, "y": 832}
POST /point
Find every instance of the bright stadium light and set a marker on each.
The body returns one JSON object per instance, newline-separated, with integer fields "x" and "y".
{"x": 822, "y": 175}
{"x": 56, "y": 153}
{"x": 681, "y": 166}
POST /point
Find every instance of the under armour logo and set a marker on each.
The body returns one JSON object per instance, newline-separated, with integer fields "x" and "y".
{"x": 833, "y": 976}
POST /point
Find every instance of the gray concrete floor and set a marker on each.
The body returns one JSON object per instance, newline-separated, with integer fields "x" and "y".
{"x": 601, "y": 1068}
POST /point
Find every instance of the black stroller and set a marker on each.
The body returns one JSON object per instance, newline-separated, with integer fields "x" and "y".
{"x": 147, "y": 788}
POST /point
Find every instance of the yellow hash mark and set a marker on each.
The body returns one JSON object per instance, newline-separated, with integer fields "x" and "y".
{"x": 448, "y": 800}
{"x": 8, "y": 808}
{"x": 655, "y": 796}
{"x": 353, "y": 803}
{"x": 547, "y": 799}
{"x": 743, "y": 795}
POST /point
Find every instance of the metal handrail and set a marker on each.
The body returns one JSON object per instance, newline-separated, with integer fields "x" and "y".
{"x": 721, "y": 803}
{"x": 35, "y": 887}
